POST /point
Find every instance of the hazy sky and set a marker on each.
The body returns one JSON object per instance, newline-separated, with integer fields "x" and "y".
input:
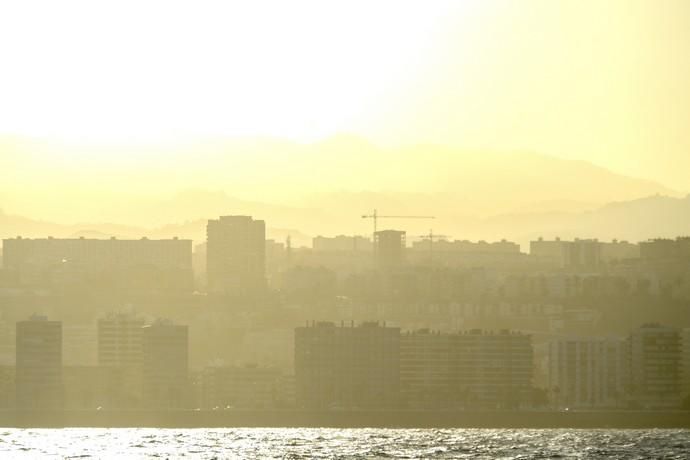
{"x": 604, "y": 81}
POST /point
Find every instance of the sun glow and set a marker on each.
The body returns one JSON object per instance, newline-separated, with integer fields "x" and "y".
{"x": 110, "y": 82}
{"x": 150, "y": 71}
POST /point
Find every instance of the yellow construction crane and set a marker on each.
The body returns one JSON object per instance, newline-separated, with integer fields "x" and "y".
{"x": 430, "y": 236}
{"x": 376, "y": 216}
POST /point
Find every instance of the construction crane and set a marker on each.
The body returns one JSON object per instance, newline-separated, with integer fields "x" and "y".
{"x": 430, "y": 236}
{"x": 376, "y": 216}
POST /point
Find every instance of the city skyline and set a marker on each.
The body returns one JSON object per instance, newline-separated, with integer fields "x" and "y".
{"x": 345, "y": 229}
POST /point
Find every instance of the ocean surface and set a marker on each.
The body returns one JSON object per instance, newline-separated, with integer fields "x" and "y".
{"x": 296, "y": 443}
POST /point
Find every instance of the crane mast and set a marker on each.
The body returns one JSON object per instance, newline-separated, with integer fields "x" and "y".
{"x": 375, "y": 216}
{"x": 430, "y": 236}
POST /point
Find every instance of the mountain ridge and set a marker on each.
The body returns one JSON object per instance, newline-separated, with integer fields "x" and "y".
{"x": 633, "y": 220}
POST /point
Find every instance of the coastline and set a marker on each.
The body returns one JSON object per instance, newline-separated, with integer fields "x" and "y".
{"x": 343, "y": 419}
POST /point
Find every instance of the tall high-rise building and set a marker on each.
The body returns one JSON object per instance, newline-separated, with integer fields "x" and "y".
{"x": 586, "y": 372}
{"x": 120, "y": 340}
{"x": 389, "y": 247}
{"x": 120, "y": 351}
{"x": 654, "y": 366}
{"x": 685, "y": 366}
{"x": 165, "y": 368}
{"x": 236, "y": 255}
{"x": 39, "y": 364}
{"x": 347, "y": 366}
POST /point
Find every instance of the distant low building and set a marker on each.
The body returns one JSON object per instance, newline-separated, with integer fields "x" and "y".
{"x": 8, "y": 387}
{"x": 553, "y": 251}
{"x": 342, "y": 243}
{"x": 276, "y": 261}
{"x": 619, "y": 251}
{"x": 79, "y": 344}
{"x": 465, "y": 246}
{"x": 248, "y": 387}
{"x": 463, "y": 253}
{"x": 662, "y": 248}
{"x": 304, "y": 284}
{"x": 580, "y": 254}
{"x": 144, "y": 264}
{"x": 94, "y": 387}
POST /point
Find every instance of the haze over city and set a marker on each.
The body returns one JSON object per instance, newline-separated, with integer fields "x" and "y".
{"x": 328, "y": 219}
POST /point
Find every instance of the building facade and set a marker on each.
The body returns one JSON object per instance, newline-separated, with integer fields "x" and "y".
{"x": 469, "y": 369}
{"x": 39, "y": 364}
{"x": 586, "y": 372}
{"x": 165, "y": 366}
{"x": 248, "y": 387}
{"x": 425, "y": 364}
{"x": 120, "y": 340}
{"x": 342, "y": 243}
{"x": 347, "y": 366}
{"x": 236, "y": 255}
{"x": 142, "y": 264}
{"x": 120, "y": 349}
{"x": 663, "y": 248}
{"x": 579, "y": 254}
{"x": 390, "y": 248}
{"x": 492, "y": 370}
{"x": 654, "y": 366}
{"x": 685, "y": 367}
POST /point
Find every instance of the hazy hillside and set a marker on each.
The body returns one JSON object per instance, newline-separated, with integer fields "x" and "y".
{"x": 635, "y": 220}
{"x": 322, "y": 186}
{"x": 13, "y": 226}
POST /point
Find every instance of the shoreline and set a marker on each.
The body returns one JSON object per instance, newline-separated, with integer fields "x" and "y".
{"x": 343, "y": 419}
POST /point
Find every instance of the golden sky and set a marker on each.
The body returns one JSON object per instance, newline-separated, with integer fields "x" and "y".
{"x": 603, "y": 81}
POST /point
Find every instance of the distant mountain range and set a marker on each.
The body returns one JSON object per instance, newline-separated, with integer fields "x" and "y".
{"x": 634, "y": 220}
{"x": 320, "y": 187}
{"x": 324, "y": 188}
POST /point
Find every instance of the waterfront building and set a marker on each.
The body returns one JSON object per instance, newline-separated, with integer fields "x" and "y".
{"x": 165, "y": 365}
{"x": 654, "y": 366}
{"x": 39, "y": 364}
{"x": 347, "y": 366}
{"x": 586, "y": 372}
